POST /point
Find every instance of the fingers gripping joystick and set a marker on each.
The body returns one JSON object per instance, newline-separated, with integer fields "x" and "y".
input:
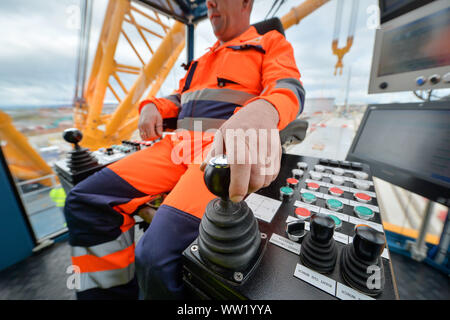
{"x": 228, "y": 235}
{"x": 319, "y": 250}
{"x": 79, "y": 158}
{"x": 361, "y": 263}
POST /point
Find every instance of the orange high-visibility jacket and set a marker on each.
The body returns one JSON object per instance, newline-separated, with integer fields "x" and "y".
{"x": 230, "y": 76}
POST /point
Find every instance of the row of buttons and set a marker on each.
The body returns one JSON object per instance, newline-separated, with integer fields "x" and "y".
{"x": 420, "y": 81}
{"x": 434, "y": 79}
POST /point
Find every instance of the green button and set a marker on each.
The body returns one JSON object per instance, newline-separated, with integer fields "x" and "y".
{"x": 363, "y": 212}
{"x": 286, "y": 190}
{"x": 308, "y": 197}
{"x": 334, "y": 204}
{"x": 337, "y": 221}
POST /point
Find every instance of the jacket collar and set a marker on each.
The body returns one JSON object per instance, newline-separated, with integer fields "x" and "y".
{"x": 249, "y": 34}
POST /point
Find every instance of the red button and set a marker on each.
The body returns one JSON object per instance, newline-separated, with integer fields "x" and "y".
{"x": 302, "y": 212}
{"x": 291, "y": 180}
{"x": 336, "y": 191}
{"x": 313, "y": 185}
{"x": 363, "y": 196}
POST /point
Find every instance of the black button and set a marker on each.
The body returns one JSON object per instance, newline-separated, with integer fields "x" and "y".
{"x": 368, "y": 243}
{"x": 344, "y": 164}
{"x": 357, "y": 165}
{"x": 383, "y": 85}
{"x": 321, "y": 227}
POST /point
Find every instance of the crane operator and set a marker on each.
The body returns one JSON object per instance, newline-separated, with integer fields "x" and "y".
{"x": 246, "y": 81}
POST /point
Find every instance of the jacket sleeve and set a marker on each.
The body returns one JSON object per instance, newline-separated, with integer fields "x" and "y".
{"x": 281, "y": 79}
{"x": 168, "y": 106}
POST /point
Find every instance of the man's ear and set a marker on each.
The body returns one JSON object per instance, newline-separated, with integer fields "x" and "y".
{"x": 247, "y": 4}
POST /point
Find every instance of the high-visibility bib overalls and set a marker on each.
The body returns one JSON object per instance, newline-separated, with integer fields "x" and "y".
{"x": 99, "y": 209}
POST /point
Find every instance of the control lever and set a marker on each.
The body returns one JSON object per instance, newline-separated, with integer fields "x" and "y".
{"x": 361, "y": 264}
{"x": 78, "y": 159}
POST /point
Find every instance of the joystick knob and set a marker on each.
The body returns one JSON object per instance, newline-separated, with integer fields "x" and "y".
{"x": 217, "y": 177}
{"x": 322, "y": 228}
{"x": 368, "y": 243}
{"x": 229, "y": 236}
{"x": 73, "y": 135}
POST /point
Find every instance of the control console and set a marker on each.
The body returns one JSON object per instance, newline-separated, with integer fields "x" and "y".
{"x": 321, "y": 237}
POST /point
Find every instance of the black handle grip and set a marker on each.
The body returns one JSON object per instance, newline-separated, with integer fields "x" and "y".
{"x": 217, "y": 177}
{"x": 322, "y": 227}
{"x": 368, "y": 243}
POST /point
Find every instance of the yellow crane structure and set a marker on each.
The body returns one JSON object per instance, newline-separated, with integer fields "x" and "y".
{"x": 24, "y": 162}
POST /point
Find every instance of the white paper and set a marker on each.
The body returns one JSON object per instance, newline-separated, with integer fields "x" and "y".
{"x": 263, "y": 208}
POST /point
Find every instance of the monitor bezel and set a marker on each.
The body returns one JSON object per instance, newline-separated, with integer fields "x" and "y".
{"x": 405, "y": 81}
{"x": 386, "y": 15}
{"x": 399, "y": 176}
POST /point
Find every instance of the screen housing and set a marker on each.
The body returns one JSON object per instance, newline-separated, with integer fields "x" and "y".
{"x": 407, "y": 80}
{"x": 390, "y": 9}
{"x": 396, "y": 175}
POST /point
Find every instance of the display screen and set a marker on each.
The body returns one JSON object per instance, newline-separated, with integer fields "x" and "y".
{"x": 422, "y": 44}
{"x": 415, "y": 140}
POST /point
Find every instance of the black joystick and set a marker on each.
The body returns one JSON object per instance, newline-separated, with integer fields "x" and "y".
{"x": 319, "y": 250}
{"x": 361, "y": 263}
{"x": 79, "y": 159}
{"x": 228, "y": 235}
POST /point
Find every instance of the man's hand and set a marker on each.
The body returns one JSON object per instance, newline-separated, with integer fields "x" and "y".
{"x": 150, "y": 122}
{"x": 251, "y": 141}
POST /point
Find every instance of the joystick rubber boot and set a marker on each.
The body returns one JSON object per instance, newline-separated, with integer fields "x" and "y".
{"x": 79, "y": 158}
{"x": 228, "y": 234}
{"x": 361, "y": 260}
{"x": 319, "y": 250}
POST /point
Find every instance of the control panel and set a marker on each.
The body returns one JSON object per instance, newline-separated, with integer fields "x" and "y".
{"x": 81, "y": 162}
{"x": 321, "y": 238}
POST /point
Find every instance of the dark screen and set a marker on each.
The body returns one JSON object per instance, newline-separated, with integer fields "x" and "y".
{"x": 416, "y": 140}
{"x": 422, "y": 44}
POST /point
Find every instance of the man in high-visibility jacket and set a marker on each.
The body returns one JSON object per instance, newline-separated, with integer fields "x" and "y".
{"x": 245, "y": 81}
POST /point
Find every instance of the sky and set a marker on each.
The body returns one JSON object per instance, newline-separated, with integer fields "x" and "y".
{"x": 39, "y": 41}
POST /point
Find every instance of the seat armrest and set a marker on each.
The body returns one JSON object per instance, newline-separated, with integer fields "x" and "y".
{"x": 294, "y": 132}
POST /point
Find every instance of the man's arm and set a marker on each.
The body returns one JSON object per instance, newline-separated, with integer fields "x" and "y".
{"x": 280, "y": 103}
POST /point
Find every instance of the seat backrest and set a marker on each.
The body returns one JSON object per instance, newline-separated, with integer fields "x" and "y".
{"x": 269, "y": 25}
